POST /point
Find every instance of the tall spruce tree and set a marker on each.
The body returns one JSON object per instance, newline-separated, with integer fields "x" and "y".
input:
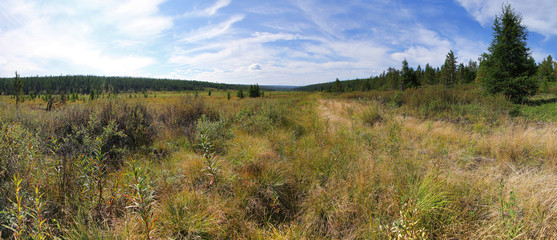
{"x": 405, "y": 72}
{"x": 429, "y": 74}
{"x": 409, "y": 78}
{"x": 508, "y": 66}
{"x": 449, "y": 73}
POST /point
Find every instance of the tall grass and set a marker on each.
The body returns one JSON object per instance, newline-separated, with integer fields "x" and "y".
{"x": 428, "y": 163}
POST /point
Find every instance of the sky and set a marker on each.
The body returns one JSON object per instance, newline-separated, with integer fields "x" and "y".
{"x": 269, "y": 42}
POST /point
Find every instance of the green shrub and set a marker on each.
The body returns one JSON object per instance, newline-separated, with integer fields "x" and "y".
{"x": 142, "y": 199}
{"x": 185, "y": 113}
{"x": 260, "y": 117}
{"x": 371, "y": 114}
{"x": 18, "y": 147}
{"x": 131, "y": 127}
{"x": 214, "y": 133}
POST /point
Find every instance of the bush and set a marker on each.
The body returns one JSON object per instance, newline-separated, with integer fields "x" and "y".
{"x": 371, "y": 115}
{"x": 184, "y": 114}
{"x": 131, "y": 127}
{"x": 214, "y": 133}
{"x": 18, "y": 147}
{"x": 260, "y": 117}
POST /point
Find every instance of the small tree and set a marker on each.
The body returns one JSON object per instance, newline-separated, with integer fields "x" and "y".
{"x": 254, "y": 91}
{"x": 508, "y": 67}
{"x": 228, "y": 95}
{"x": 240, "y": 93}
{"x": 92, "y": 95}
{"x": 18, "y": 89}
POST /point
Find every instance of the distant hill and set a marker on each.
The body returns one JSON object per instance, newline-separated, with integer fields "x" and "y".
{"x": 278, "y": 87}
{"x": 329, "y": 86}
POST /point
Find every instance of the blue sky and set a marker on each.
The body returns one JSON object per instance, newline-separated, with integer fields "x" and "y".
{"x": 286, "y": 42}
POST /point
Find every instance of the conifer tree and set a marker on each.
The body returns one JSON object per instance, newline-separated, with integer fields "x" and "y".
{"x": 545, "y": 71}
{"x": 449, "y": 68}
{"x": 508, "y": 68}
{"x": 429, "y": 74}
{"x": 338, "y": 86}
{"x": 409, "y": 78}
{"x": 240, "y": 93}
{"x": 18, "y": 89}
{"x": 254, "y": 91}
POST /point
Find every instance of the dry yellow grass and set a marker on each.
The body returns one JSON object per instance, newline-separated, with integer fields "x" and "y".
{"x": 481, "y": 166}
{"x": 307, "y": 167}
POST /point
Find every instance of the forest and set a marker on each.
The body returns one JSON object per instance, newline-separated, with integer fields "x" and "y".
{"x": 86, "y": 84}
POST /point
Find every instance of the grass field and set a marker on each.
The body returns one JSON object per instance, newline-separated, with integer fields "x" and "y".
{"x": 429, "y": 163}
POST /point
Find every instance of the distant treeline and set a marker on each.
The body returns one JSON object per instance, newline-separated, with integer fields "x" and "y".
{"x": 85, "y": 84}
{"x": 406, "y": 77}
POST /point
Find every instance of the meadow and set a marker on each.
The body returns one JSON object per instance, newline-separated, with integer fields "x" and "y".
{"x": 426, "y": 163}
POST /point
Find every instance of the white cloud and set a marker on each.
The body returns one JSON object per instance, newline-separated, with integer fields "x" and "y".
{"x": 539, "y": 54}
{"x": 310, "y": 63}
{"x": 86, "y": 37}
{"x": 209, "y": 11}
{"x": 319, "y": 14}
{"x": 212, "y": 31}
{"x": 539, "y": 15}
{"x": 218, "y": 5}
{"x": 255, "y": 67}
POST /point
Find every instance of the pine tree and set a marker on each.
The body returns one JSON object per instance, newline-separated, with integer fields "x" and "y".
{"x": 240, "y": 93}
{"x": 508, "y": 67}
{"x": 404, "y": 72}
{"x": 338, "y": 86}
{"x": 92, "y": 95}
{"x": 449, "y": 69}
{"x": 409, "y": 78}
{"x": 545, "y": 71}
{"x": 254, "y": 91}
{"x": 419, "y": 75}
{"x": 429, "y": 74}
{"x": 18, "y": 89}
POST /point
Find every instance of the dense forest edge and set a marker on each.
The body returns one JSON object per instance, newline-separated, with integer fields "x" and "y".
{"x": 85, "y": 84}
